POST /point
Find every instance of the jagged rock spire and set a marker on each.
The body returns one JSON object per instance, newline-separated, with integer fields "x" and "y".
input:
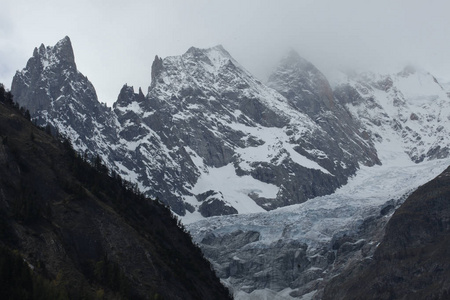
{"x": 64, "y": 50}
{"x": 157, "y": 67}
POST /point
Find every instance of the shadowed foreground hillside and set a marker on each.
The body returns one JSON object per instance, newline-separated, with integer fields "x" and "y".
{"x": 412, "y": 261}
{"x": 69, "y": 230}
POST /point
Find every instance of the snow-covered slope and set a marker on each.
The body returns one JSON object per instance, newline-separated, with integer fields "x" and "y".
{"x": 410, "y": 109}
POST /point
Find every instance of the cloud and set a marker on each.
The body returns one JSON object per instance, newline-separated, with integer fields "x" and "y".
{"x": 115, "y": 41}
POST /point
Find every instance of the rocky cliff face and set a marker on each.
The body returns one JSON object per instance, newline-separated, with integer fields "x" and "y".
{"x": 303, "y": 84}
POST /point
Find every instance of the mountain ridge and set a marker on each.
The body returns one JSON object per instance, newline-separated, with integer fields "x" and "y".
{"x": 203, "y": 112}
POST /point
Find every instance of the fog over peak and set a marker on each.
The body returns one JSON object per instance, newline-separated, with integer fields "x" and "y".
{"x": 116, "y": 43}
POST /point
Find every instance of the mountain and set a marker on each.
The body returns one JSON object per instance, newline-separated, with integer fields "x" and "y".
{"x": 293, "y": 252}
{"x": 204, "y": 117}
{"x": 283, "y": 185}
{"x": 70, "y": 231}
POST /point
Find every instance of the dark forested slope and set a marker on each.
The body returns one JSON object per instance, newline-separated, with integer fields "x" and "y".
{"x": 82, "y": 233}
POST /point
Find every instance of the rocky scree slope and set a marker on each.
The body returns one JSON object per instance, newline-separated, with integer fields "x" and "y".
{"x": 204, "y": 117}
{"x": 89, "y": 234}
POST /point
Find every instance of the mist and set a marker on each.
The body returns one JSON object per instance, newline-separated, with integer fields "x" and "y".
{"x": 115, "y": 42}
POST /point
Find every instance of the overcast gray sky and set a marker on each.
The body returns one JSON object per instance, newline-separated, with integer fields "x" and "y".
{"x": 115, "y": 41}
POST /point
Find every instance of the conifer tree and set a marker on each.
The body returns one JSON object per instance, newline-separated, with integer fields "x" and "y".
{"x": 2, "y": 92}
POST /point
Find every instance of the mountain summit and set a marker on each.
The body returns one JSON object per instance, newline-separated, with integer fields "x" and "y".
{"x": 48, "y": 77}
